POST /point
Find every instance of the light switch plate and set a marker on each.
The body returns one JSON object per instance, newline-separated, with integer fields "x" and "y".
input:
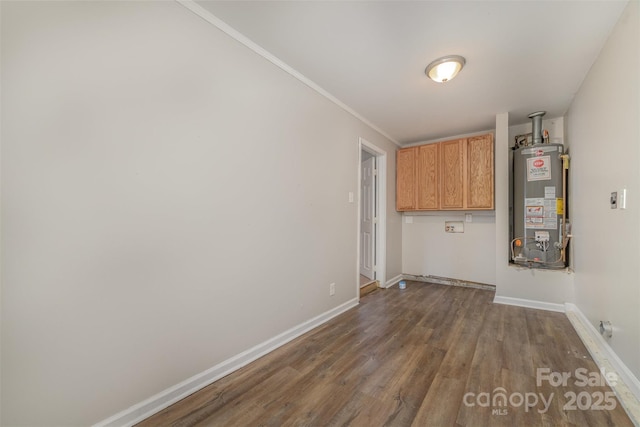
{"x": 622, "y": 199}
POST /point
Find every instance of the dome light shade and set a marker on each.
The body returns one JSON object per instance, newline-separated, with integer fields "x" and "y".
{"x": 444, "y": 69}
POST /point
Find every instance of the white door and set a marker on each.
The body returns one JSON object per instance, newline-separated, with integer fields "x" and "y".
{"x": 367, "y": 218}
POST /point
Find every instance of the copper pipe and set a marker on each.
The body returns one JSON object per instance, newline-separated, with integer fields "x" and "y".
{"x": 565, "y": 237}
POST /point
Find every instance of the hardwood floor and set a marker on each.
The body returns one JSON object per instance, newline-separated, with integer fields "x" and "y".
{"x": 364, "y": 280}
{"x": 429, "y": 355}
{"x": 368, "y": 288}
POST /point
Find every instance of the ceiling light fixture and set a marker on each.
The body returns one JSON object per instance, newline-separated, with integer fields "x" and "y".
{"x": 444, "y": 69}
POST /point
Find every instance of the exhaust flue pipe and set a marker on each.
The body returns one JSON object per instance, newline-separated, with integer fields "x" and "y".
{"x": 536, "y": 131}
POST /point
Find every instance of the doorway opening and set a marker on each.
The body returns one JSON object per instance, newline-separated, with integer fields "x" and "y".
{"x": 371, "y": 217}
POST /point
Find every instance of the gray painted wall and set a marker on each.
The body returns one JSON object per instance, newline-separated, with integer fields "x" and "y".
{"x": 169, "y": 200}
{"x": 604, "y": 140}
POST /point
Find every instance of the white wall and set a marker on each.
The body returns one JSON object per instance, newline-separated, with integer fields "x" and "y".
{"x": 605, "y": 148}
{"x": 429, "y": 250}
{"x": 394, "y": 222}
{"x": 169, "y": 200}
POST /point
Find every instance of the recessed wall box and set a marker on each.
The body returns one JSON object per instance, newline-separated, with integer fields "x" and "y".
{"x": 454, "y": 226}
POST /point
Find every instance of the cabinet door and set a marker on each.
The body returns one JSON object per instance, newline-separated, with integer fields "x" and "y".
{"x": 480, "y": 172}
{"x": 427, "y": 171}
{"x": 406, "y": 179}
{"x": 452, "y": 162}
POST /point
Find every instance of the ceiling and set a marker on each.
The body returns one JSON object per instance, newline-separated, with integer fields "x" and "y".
{"x": 522, "y": 56}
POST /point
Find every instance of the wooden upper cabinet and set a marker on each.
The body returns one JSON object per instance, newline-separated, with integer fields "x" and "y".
{"x": 480, "y": 172}
{"x": 418, "y": 178}
{"x": 450, "y": 175}
{"x": 406, "y": 179}
{"x": 428, "y": 162}
{"x": 452, "y": 163}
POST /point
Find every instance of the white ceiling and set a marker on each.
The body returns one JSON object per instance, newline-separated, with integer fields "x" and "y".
{"x": 522, "y": 56}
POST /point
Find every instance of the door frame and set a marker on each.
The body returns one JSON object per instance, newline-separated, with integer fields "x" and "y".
{"x": 380, "y": 258}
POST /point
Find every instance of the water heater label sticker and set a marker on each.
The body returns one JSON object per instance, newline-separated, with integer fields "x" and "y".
{"x": 539, "y": 168}
{"x": 534, "y": 213}
{"x": 549, "y": 192}
{"x": 540, "y": 213}
{"x": 550, "y": 214}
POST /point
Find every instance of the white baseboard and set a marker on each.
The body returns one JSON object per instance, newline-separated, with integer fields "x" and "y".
{"x": 160, "y": 401}
{"x": 627, "y": 388}
{"x": 528, "y": 303}
{"x": 393, "y": 281}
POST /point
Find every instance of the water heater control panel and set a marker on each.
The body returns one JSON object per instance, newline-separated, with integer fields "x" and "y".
{"x": 542, "y": 236}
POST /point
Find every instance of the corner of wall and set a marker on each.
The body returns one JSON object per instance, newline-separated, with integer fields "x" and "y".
{"x": 501, "y": 195}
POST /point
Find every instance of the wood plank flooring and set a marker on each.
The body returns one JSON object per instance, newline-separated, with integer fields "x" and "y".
{"x": 364, "y": 280}
{"x": 429, "y": 355}
{"x": 367, "y": 289}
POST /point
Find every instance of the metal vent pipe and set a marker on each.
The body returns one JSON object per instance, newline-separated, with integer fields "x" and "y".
{"x": 536, "y": 131}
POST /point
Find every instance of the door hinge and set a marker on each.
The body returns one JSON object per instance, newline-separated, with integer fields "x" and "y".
{"x": 375, "y": 172}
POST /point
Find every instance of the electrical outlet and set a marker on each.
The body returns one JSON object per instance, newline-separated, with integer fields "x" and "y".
{"x": 332, "y": 289}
